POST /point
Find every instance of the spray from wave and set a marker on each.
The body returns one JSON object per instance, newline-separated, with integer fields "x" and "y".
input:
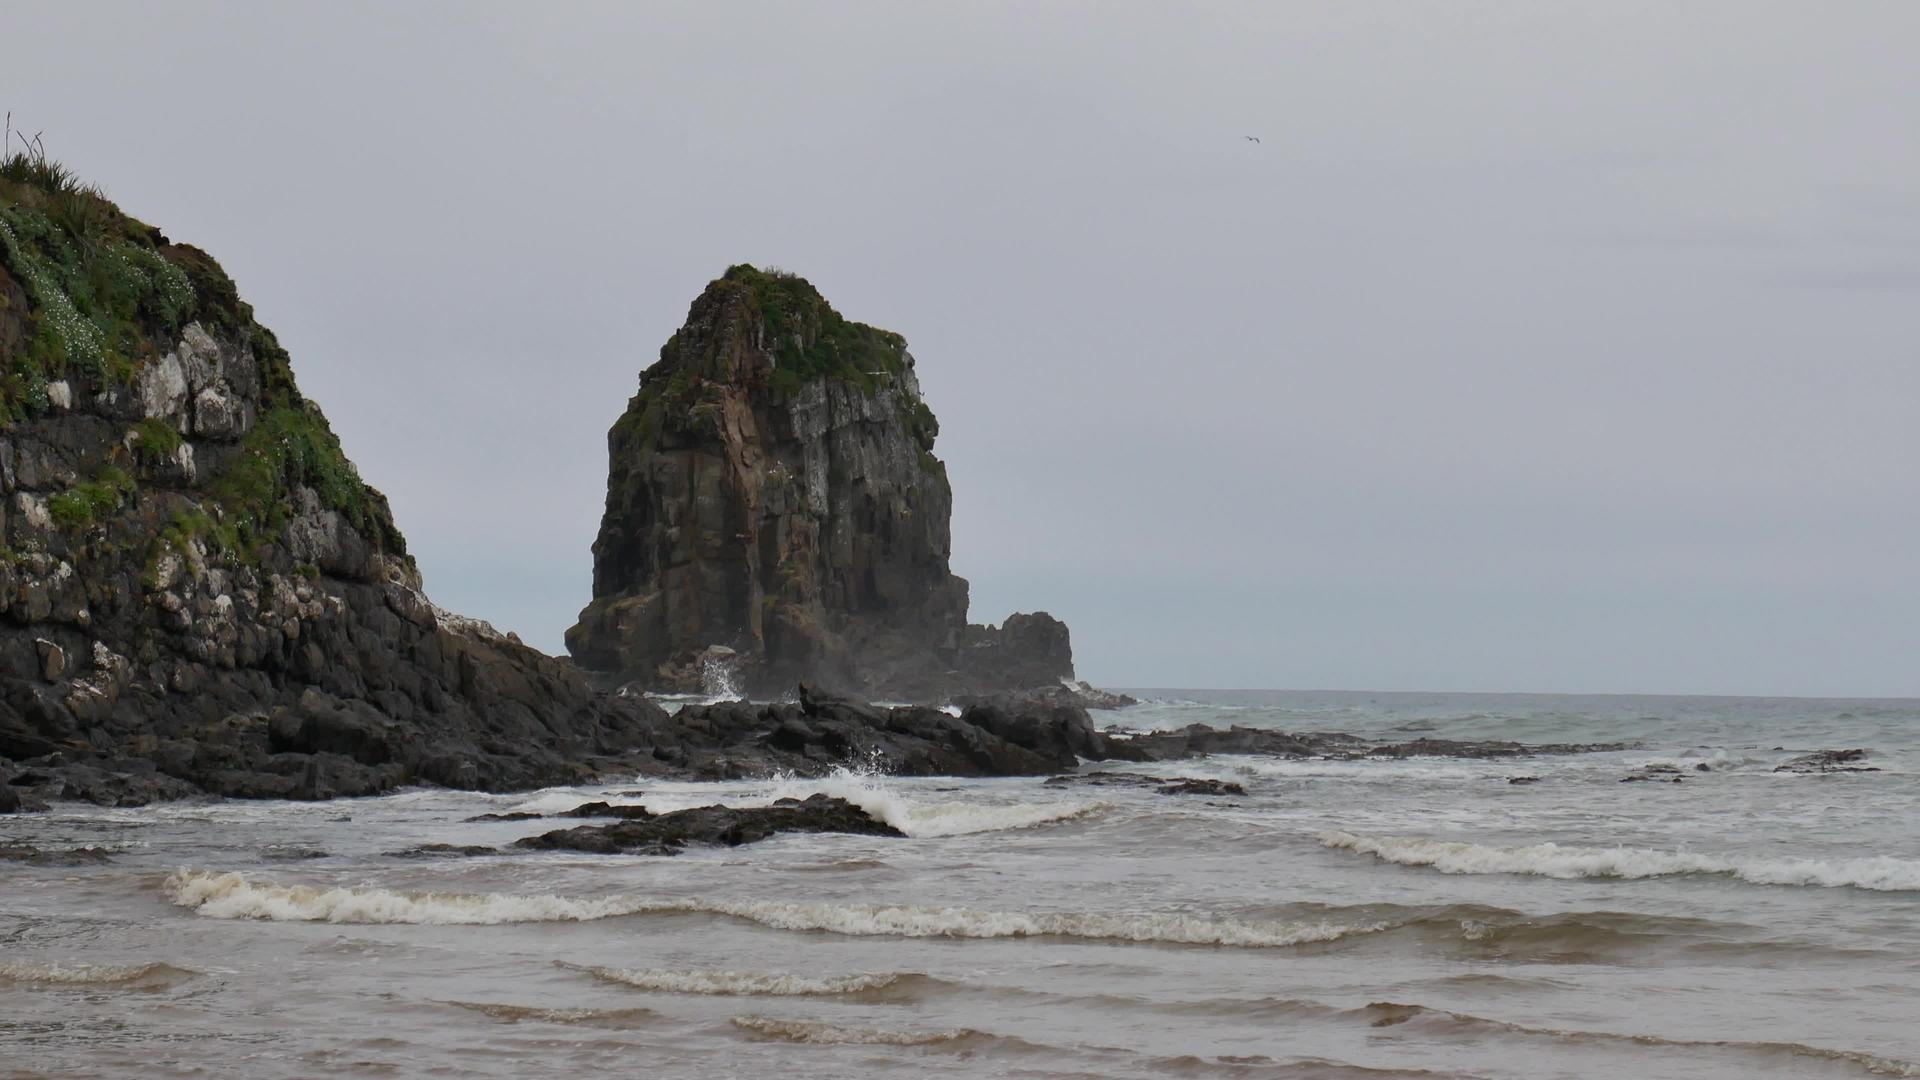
{"x": 230, "y": 896}
{"x": 1880, "y": 873}
{"x": 866, "y": 788}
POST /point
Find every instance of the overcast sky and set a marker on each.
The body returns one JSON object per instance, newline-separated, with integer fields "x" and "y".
{"x": 1534, "y": 346}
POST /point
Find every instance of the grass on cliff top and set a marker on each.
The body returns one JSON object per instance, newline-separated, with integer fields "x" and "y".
{"x": 809, "y": 339}
{"x": 90, "y": 295}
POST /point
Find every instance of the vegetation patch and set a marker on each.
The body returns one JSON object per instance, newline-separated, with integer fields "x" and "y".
{"x": 104, "y": 294}
{"x": 85, "y": 505}
{"x": 155, "y": 441}
{"x": 811, "y": 340}
{"x": 101, "y": 287}
{"x": 290, "y": 448}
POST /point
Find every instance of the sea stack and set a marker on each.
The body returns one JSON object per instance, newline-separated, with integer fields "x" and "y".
{"x": 775, "y": 510}
{"x": 198, "y": 592}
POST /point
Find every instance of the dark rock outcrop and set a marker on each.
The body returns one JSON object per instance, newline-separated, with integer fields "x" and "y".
{"x": 730, "y": 826}
{"x": 1826, "y": 761}
{"x": 1198, "y": 739}
{"x": 1160, "y": 785}
{"x": 197, "y": 590}
{"x": 774, "y": 505}
{"x": 822, "y": 732}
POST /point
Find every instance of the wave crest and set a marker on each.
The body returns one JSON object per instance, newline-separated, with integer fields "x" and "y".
{"x": 741, "y": 983}
{"x": 230, "y": 896}
{"x": 1382, "y": 1014}
{"x": 513, "y": 1014}
{"x": 805, "y": 1032}
{"x": 1881, "y": 873}
{"x": 56, "y": 972}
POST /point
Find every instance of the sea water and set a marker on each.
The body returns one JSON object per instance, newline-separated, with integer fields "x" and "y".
{"x": 1366, "y": 919}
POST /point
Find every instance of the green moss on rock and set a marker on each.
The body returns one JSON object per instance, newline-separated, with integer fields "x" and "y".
{"x": 105, "y": 294}
{"x": 809, "y": 338}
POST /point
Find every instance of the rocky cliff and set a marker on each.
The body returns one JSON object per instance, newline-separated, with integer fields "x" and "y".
{"x": 197, "y": 590}
{"x": 773, "y": 503}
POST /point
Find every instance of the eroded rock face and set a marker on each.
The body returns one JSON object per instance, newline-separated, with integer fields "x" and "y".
{"x": 197, "y": 591}
{"x": 772, "y": 489}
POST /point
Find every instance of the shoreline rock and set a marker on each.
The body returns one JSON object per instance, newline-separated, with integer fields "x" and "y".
{"x": 1042, "y": 736}
{"x": 667, "y": 834}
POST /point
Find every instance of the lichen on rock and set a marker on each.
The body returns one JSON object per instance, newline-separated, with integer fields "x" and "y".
{"x": 772, "y": 488}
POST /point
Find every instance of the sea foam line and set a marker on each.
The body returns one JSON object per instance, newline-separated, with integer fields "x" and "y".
{"x": 231, "y": 896}
{"x": 1881, "y": 873}
{"x": 740, "y": 983}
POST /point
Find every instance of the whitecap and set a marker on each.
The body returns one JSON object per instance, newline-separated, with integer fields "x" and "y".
{"x": 741, "y": 983}
{"x": 230, "y": 896}
{"x": 1881, "y": 873}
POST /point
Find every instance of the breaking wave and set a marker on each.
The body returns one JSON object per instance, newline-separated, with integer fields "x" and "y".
{"x": 866, "y": 789}
{"x": 1881, "y": 873}
{"x": 741, "y": 983}
{"x": 230, "y": 896}
{"x": 905, "y": 920}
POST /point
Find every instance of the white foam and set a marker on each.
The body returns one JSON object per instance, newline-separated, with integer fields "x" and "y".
{"x": 801, "y": 1031}
{"x": 1881, "y": 873}
{"x": 742, "y": 983}
{"x": 907, "y": 920}
{"x": 866, "y": 789}
{"x": 230, "y": 896}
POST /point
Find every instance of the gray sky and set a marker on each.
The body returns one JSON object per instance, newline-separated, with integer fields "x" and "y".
{"x": 1535, "y": 347}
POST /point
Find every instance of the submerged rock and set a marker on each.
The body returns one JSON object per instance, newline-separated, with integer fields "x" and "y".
{"x": 666, "y": 834}
{"x": 1177, "y": 785}
{"x": 11, "y": 851}
{"x": 1824, "y": 761}
{"x": 774, "y": 507}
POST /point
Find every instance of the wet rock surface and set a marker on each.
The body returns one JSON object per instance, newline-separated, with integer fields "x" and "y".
{"x": 1198, "y": 739}
{"x": 1826, "y": 761}
{"x": 38, "y": 856}
{"x": 1177, "y": 785}
{"x": 351, "y": 752}
{"x": 667, "y": 834}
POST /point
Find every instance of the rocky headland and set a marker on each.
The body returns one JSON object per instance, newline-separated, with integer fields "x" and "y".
{"x": 198, "y": 592}
{"x": 200, "y": 595}
{"x": 774, "y": 506}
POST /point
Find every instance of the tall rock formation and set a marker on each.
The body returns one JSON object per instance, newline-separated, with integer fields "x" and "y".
{"x": 196, "y": 587}
{"x": 773, "y": 492}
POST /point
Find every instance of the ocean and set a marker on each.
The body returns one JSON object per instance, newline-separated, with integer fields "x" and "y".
{"x": 1418, "y": 917}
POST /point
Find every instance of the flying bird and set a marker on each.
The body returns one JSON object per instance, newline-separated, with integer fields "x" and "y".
{"x": 1250, "y": 138}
